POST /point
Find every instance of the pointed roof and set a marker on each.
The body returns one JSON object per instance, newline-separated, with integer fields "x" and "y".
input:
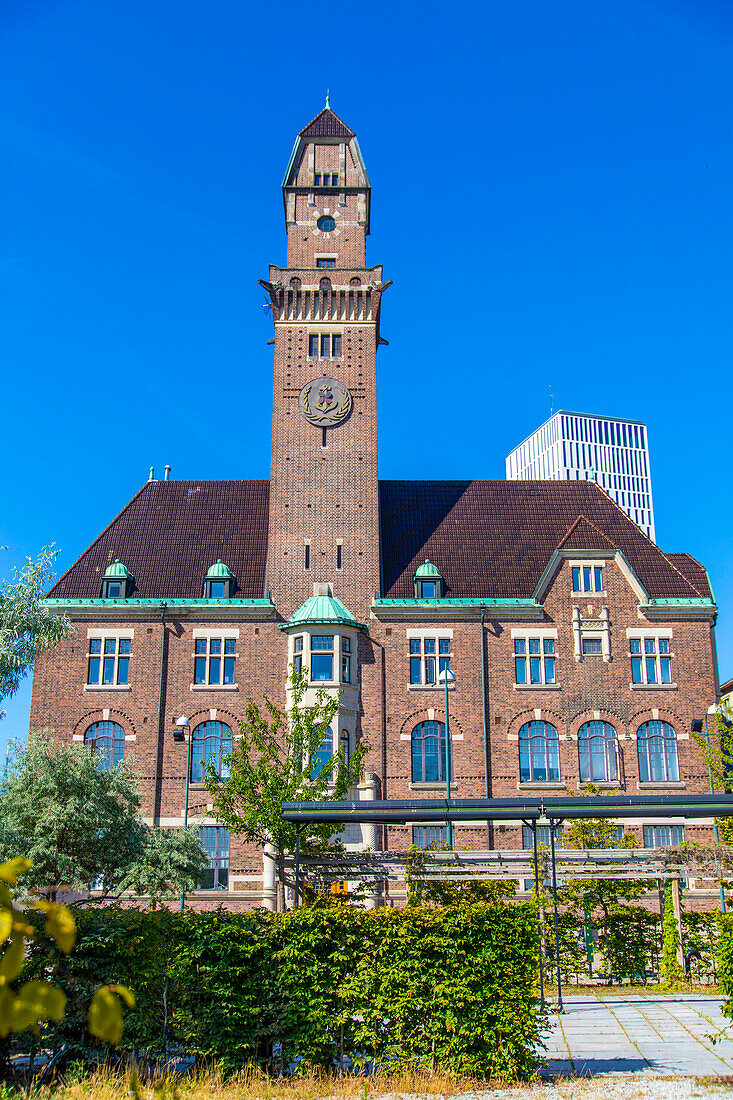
{"x": 584, "y": 535}
{"x": 328, "y": 610}
{"x": 327, "y": 124}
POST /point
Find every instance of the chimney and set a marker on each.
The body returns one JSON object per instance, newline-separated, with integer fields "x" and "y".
{"x": 152, "y": 474}
{"x": 167, "y": 476}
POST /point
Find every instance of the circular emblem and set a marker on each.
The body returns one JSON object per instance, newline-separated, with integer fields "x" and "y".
{"x": 325, "y": 402}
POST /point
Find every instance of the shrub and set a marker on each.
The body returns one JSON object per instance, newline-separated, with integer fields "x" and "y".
{"x": 449, "y": 989}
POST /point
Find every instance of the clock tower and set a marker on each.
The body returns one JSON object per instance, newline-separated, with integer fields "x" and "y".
{"x": 324, "y": 514}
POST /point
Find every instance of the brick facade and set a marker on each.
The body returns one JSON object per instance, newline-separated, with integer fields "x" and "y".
{"x": 505, "y": 551}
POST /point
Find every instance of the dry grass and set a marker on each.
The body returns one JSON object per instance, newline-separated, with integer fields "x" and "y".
{"x": 250, "y": 1085}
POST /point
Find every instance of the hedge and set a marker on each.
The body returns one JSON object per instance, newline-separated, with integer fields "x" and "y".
{"x": 450, "y": 989}
{"x": 725, "y": 960}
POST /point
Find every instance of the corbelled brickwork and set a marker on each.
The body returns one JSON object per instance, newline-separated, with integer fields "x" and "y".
{"x": 510, "y": 560}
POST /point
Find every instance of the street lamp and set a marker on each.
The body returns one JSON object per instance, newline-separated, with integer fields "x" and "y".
{"x": 181, "y": 733}
{"x": 445, "y": 677}
{"x": 713, "y": 709}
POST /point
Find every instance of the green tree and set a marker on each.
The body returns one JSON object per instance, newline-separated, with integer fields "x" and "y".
{"x": 716, "y": 749}
{"x": 26, "y": 626}
{"x": 80, "y": 825}
{"x": 270, "y": 763}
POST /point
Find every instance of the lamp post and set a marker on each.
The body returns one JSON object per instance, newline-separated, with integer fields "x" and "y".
{"x": 713, "y": 709}
{"x": 181, "y": 733}
{"x": 445, "y": 677}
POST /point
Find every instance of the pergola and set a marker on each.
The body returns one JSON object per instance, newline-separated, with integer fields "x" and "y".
{"x": 463, "y": 866}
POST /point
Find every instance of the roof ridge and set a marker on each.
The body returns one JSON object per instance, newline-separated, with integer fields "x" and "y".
{"x": 101, "y": 535}
{"x": 684, "y": 575}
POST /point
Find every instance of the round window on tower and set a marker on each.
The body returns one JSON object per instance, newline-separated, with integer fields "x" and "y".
{"x": 326, "y": 224}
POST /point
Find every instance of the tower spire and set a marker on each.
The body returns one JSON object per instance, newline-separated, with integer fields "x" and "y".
{"x": 328, "y": 99}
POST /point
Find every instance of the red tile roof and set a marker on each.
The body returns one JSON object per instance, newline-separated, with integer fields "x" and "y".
{"x": 327, "y": 124}
{"x": 487, "y": 538}
{"x": 171, "y": 532}
{"x": 494, "y": 538}
{"x": 695, "y": 573}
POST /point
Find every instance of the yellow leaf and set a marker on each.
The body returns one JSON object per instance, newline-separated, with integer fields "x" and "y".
{"x": 37, "y": 1001}
{"x": 60, "y": 924}
{"x": 11, "y": 963}
{"x": 105, "y": 1013}
{"x": 9, "y": 871}
{"x": 6, "y": 924}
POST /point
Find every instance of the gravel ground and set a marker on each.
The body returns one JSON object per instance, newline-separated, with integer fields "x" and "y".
{"x": 636, "y": 1087}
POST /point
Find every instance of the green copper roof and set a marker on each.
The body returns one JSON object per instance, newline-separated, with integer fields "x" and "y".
{"x": 218, "y": 571}
{"x": 322, "y": 609}
{"x": 427, "y": 569}
{"x": 117, "y": 569}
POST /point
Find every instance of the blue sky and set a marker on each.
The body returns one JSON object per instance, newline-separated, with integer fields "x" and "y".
{"x": 551, "y": 195}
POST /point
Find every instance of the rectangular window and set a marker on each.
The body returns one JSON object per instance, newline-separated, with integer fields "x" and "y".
{"x": 534, "y": 660}
{"x": 307, "y": 556}
{"x": 338, "y": 556}
{"x": 322, "y": 657}
{"x": 663, "y": 836}
{"x": 424, "y": 667}
{"x": 592, "y": 646}
{"x": 587, "y": 578}
{"x": 336, "y": 345}
{"x": 334, "y": 181}
{"x": 346, "y": 668}
{"x": 428, "y": 836}
{"x": 325, "y": 346}
{"x": 209, "y": 667}
{"x": 317, "y": 179}
{"x": 108, "y": 662}
{"x": 651, "y": 660}
{"x": 313, "y": 345}
{"x": 215, "y": 842}
{"x": 323, "y": 262}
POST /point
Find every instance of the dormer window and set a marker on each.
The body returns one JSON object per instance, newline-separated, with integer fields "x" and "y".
{"x": 428, "y": 582}
{"x": 116, "y": 582}
{"x": 219, "y": 582}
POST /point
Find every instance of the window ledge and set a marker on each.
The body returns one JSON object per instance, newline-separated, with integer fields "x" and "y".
{"x": 431, "y": 786}
{"x": 107, "y": 687}
{"x": 550, "y": 785}
{"x": 538, "y": 687}
{"x": 653, "y": 687}
{"x": 214, "y": 687}
{"x": 654, "y": 786}
{"x": 430, "y": 687}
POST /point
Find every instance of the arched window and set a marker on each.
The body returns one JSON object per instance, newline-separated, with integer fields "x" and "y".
{"x": 428, "y": 753}
{"x": 539, "y": 753}
{"x": 212, "y": 741}
{"x": 325, "y": 283}
{"x": 107, "y": 740}
{"x": 656, "y": 743}
{"x": 323, "y": 754}
{"x": 597, "y": 752}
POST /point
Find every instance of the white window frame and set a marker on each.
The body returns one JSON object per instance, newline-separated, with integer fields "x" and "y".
{"x": 208, "y": 636}
{"x": 435, "y": 636}
{"x": 102, "y": 635}
{"x": 542, "y": 634}
{"x": 591, "y": 564}
{"x": 325, "y": 330}
{"x": 641, "y": 635}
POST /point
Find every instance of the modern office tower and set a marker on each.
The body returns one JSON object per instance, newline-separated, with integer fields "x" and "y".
{"x": 580, "y": 447}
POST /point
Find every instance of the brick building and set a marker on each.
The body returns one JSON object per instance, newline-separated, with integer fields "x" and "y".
{"x": 581, "y": 651}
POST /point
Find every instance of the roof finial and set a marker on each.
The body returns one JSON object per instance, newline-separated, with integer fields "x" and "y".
{"x": 328, "y": 99}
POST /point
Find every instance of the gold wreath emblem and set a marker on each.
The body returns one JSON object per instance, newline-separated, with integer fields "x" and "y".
{"x": 334, "y": 414}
